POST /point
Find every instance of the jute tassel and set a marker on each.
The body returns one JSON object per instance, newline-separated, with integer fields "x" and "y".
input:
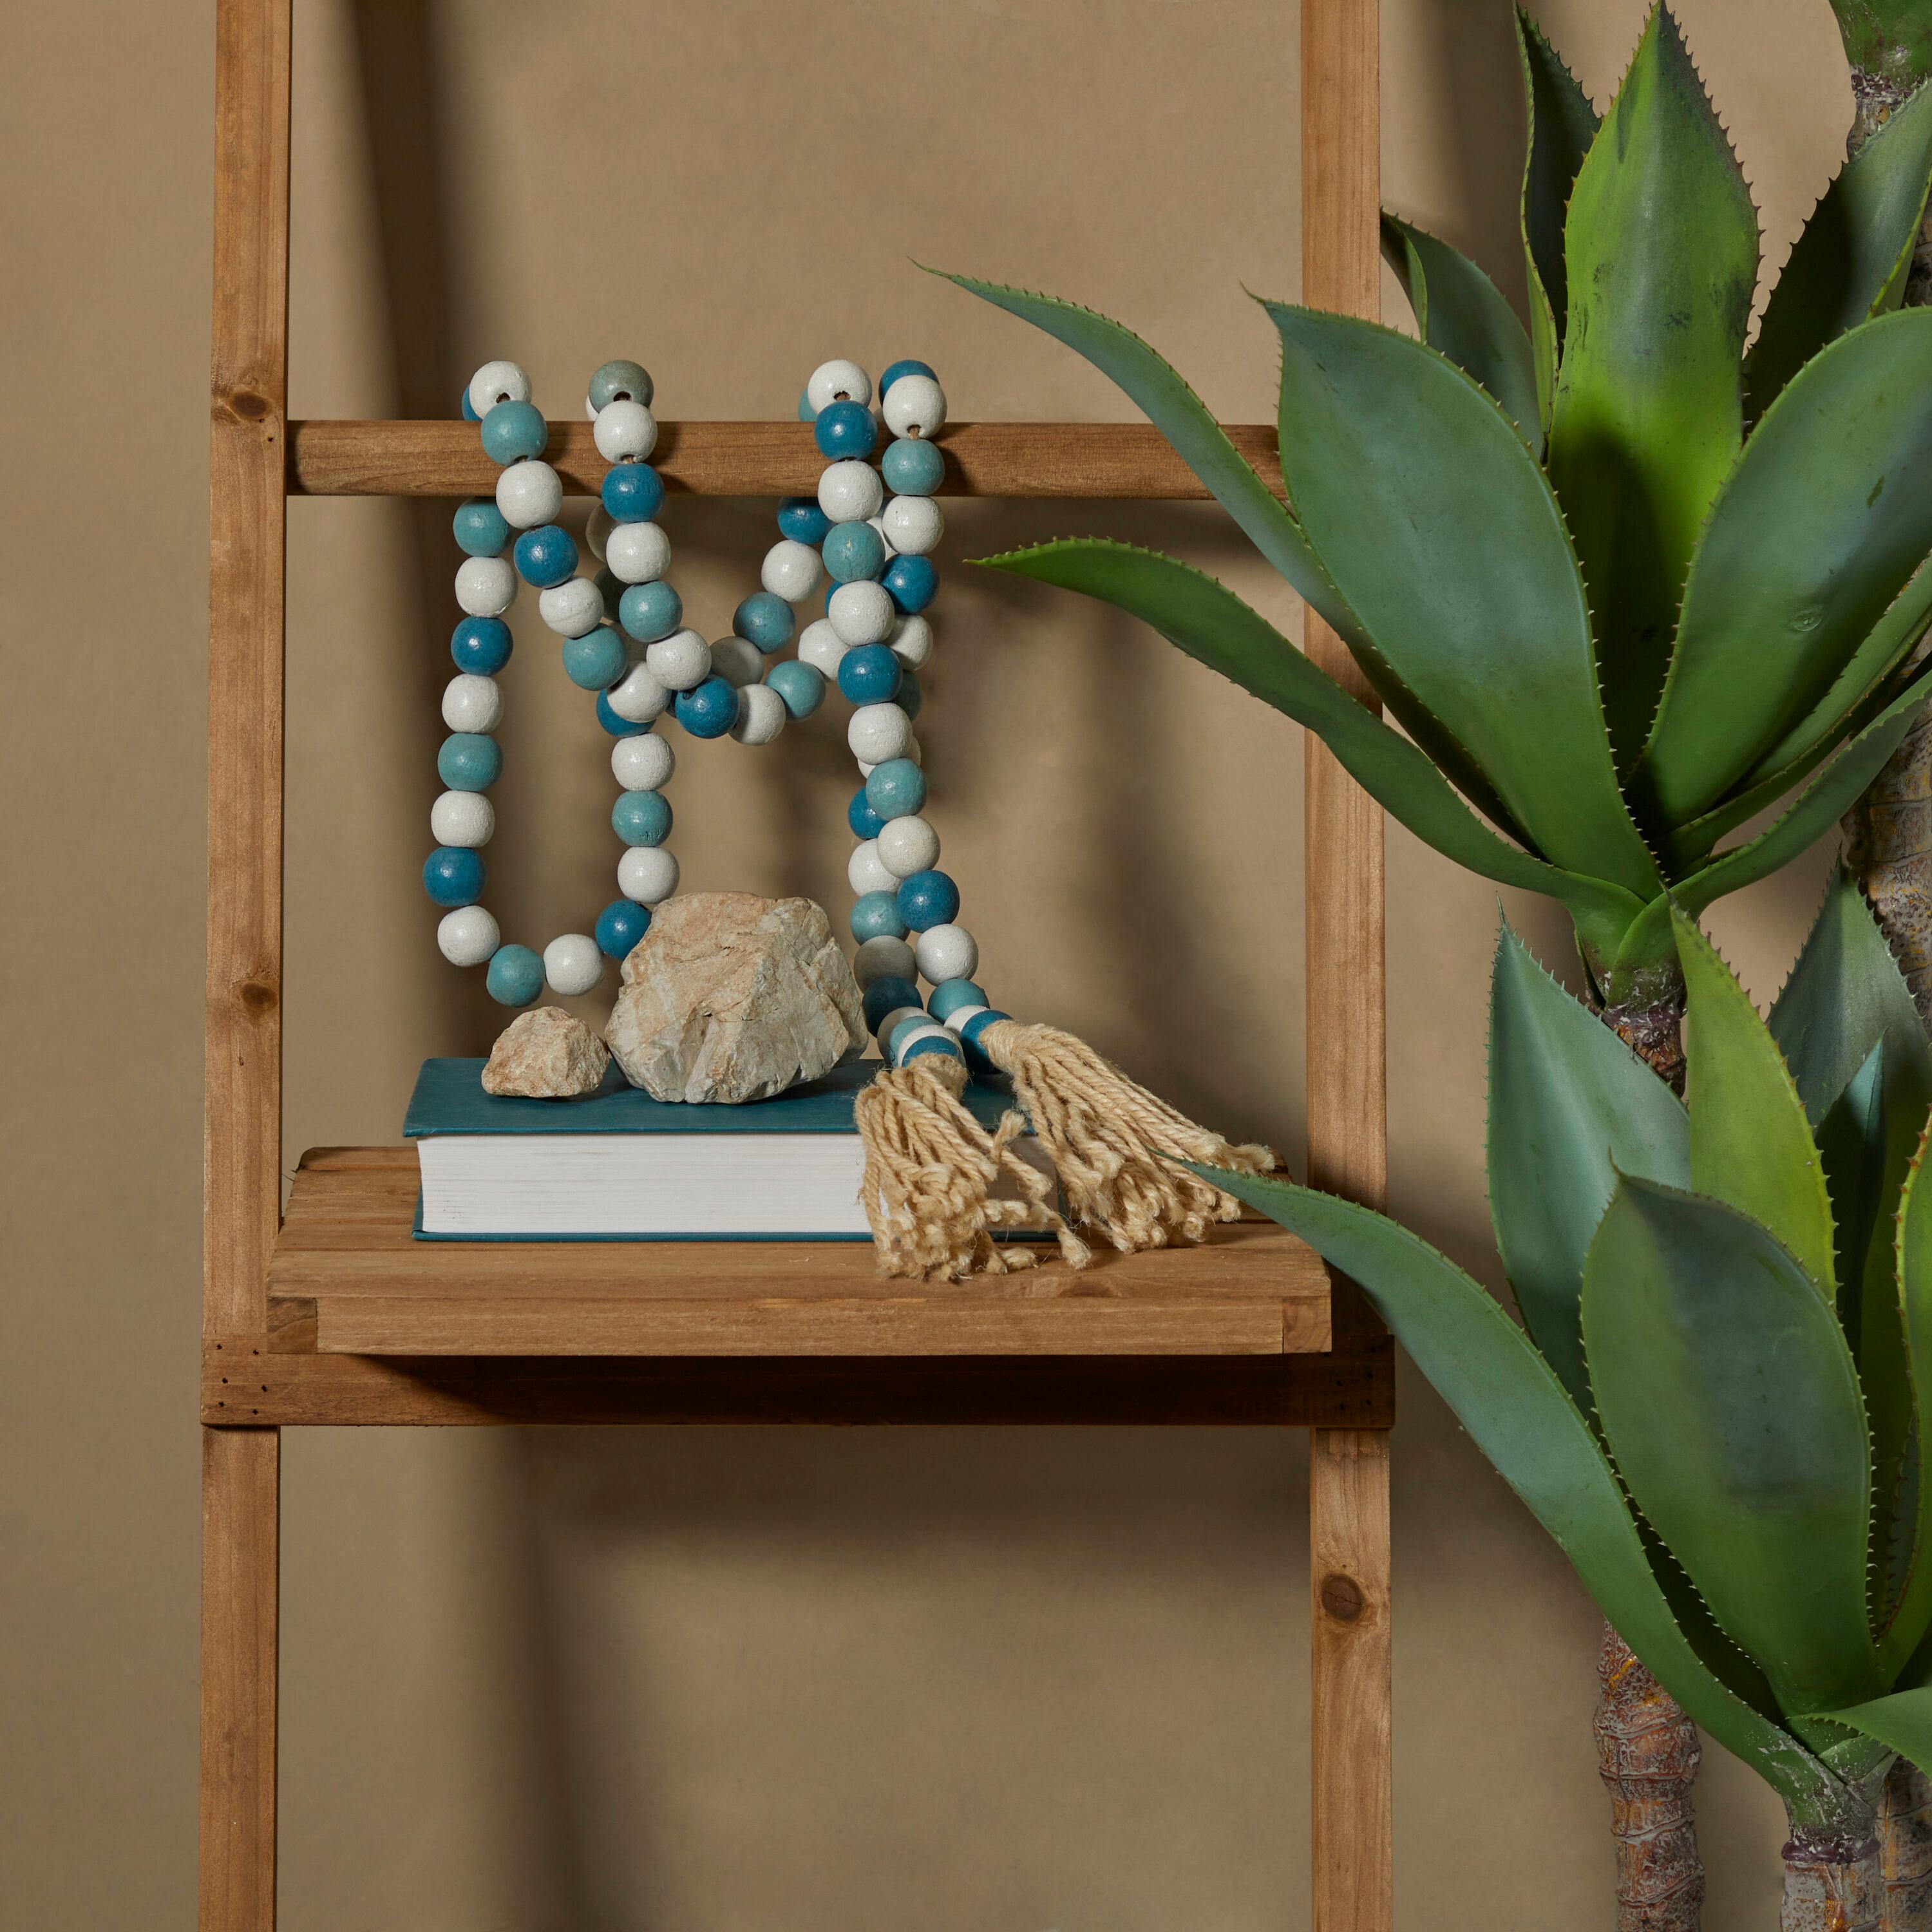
{"x": 930, "y": 1167}
{"x": 1114, "y": 1144}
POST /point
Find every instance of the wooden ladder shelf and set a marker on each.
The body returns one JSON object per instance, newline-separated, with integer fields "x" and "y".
{"x": 334, "y": 1315}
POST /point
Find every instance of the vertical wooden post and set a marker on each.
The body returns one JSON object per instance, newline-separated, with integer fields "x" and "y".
{"x": 241, "y": 1469}
{"x": 1348, "y": 1497}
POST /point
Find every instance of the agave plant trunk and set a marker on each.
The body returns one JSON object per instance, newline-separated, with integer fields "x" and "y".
{"x": 1647, "y": 1754}
{"x": 1832, "y": 1881}
{"x": 1905, "y": 1847}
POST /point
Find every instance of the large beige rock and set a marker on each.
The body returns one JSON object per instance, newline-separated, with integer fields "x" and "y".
{"x": 731, "y": 998}
{"x": 546, "y": 1054}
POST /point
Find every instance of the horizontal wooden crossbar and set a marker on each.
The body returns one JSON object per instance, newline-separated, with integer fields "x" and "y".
{"x": 344, "y": 458}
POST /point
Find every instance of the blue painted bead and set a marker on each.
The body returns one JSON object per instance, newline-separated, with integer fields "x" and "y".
{"x": 516, "y": 974}
{"x": 453, "y": 875}
{"x": 979, "y": 1062}
{"x": 940, "y": 1043}
{"x": 870, "y": 674}
{"x": 469, "y": 408}
{"x": 481, "y": 645}
{"x": 801, "y": 685}
{"x": 618, "y": 728}
{"x": 864, "y": 822}
{"x": 801, "y": 519}
{"x": 649, "y": 611}
{"x": 632, "y": 493}
{"x": 481, "y": 529}
{"x": 876, "y": 916}
{"x": 883, "y": 995}
{"x": 641, "y": 818}
{"x": 766, "y": 619}
{"x": 897, "y": 788}
{"x": 709, "y": 710}
{"x": 620, "y": 381}
{"x": 854, "y": 551}
{"x": 891, "y": 1042}
{"x": 928, "y": 898}
{"x": 911, "y": 695}
{"x": 468, "y": 761}
{"x": 620, "y": 925}
{"x": 514, "y": 430}
{"x": 910, "y": 582}
{"x": 806, "y": 413}
{"x": 844, "y": 429}
{"x": 912, "y": 467}
{"x": 546, "y": 555}
{"x": 596, "y": 660}
{"x": 908, "y": 366}
{"x": 949, "y": 995}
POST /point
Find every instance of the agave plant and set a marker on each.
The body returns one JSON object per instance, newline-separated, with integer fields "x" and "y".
{"x": 1623, "y": 582}
{"x": 1717, "y": 1398}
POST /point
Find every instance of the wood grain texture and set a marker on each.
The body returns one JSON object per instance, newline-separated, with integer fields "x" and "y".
{"x": 762, "y": 459}
{"x": 347, "y": 1277}
{"x": 240, "y": 1514}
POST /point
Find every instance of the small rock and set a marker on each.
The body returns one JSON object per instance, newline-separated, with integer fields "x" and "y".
{"x": 730, "y": 997}
{"x": 546, "y": 1054}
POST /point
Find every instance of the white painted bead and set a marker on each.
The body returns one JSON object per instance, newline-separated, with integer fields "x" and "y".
{"x": 955, "y": 1021}
{"x": 865, "y": 871}
{"x": 882, "y": 1031}
{"x": 572, "y": 964}
{"x": 647, "y": 873}
{"x": 915, "y": 406}
{"x": 913, "y": 524}
{"x": 738, "y": 661}
{"x": 468, "y": 936}
{"x": 638, "y": 553}
{"x": 931, "y": 1030}
{"x": 486, "y": 587}
{"x": 947, "y": 953}
{"x": 625, "y": 430}
{"x": 912, "y": 642}
{"x": 761, "y": 712}
{"x": 642, "y": 763}
{"x": 789, "y": 570}
{"x": 821, "y": 647}
{"x": 906, "y": 846}
{"x": 680, "y": 662}
{"x": 838, "y": 381}
{"x": 849, "y": 491}
{"x": 597, "y": 531}
{"x": 573, "y": 608}
{"x": 471, "y": 702}
{"x": 884, "y": 958}
{"x": 878, "y": 524}
{"x": 462, "y": 818}
{"x": 862, "y": 613}
{"x": 497, "y": 382}
{"x": 640, "y": 697}
{"x": 878, "y": 732}
{"x": 529, "y": 493}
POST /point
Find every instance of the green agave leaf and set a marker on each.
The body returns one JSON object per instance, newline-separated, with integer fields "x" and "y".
{"x": 1750, "y": 1145}
{"x": 1661, "y": 249}
{"x": 1822, "y": 524}
{"x": 1211, "y": 624}
{"x": 1441, "y": 534}
{"x": 1913, "y": 1616}
{"x": 1890, "y": 37}
{"x": 1849, "y": 263}
{"x": 1732, "y": 1410}
{"x": 1570, "y": 1107}
{"x": 1462, "y": 315}
{"x": 1851, "y": 1145}
{"x": 1902, "y": 1723}
{"x": 1514, "y": 1407}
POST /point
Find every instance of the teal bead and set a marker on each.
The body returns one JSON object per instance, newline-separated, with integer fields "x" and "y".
{"x": 876, "y": 916}
{"x": 620, "y": 925}
{"x": 632, "y": 493}
{"x": 912, "y": 467}
{"x": 621, "y": 381}
{"x": 469, "y": 408}
{"x": 516, "y": 974}
{"x": 469, "y": 761}
{"x": 453, "y": 875}
{"x": 641, "y": 818}
{"x": 618, "y": 728}
{"x": 905, "y": 366}
{"x": 911, "y": 582}
{"x": 546, "y": 555}
{"x": 596, "y": 660}
{"x": 891, "y": 1042}
{"x": 481, "y": 529}
{"x": 801, "y": 519}
{"x": 896, "y": 788}
{"x": 864, "y": 822}
{"x": 708, "y": 710}
{"x": 911, "y": 697}
{"x": 806, "y": 413}
{"x": 514, "y": 430}
{"x": 869, "y": 674}
{"x": 979, "y": 1062}
{"x": 928, "y": 899}
{"x": 481, "y": 645}
{"x": 943, "y": 1044}
{"x": 884, "y": 994}
{"x": 801, "y": 685}
{"x": 766, "y": 619}
{"x": 844, "y": 431}
{"x": 949, "y": 995}
{"x": 854, "y": 551}
{"x": 649, "y": 611}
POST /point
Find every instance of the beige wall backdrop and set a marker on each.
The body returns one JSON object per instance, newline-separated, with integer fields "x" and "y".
{"x": 716, "y": 1681}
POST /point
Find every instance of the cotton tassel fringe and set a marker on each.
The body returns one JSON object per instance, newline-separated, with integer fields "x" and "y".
{"x": 930, "y": 1169}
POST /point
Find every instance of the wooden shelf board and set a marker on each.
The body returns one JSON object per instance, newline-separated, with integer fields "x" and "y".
{"x": 346, "y": 1277}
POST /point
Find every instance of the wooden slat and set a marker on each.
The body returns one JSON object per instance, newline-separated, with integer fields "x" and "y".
{"x": 242, "y": 1385}
{"x": 762, "y": 459}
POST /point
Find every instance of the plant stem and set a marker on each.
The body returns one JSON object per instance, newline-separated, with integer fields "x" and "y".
{"x": 1832, "y": 1881}
{"x": 1905, "y": 1847}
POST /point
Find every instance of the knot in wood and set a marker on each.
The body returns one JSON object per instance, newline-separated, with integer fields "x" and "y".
{"x": 247, "y": 405}
{"x": 258, "y": 997}
{"x": 1342, "y": 1597}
